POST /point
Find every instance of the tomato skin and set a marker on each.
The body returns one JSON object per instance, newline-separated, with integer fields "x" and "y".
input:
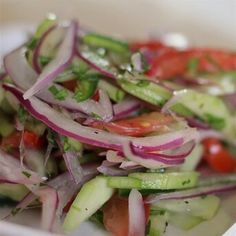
{"x": 169, "y": 63}
{"x": 96, "y": 96}
{"x": 71, "y": 85}
{"x": 31, "y": 140}
{"x": 217, "y": 157}
{"x": 147, "y": 212}
{"x": 116, "y": 216}
{"x": 172, "y": 62}
{"x": 137, "y": 126}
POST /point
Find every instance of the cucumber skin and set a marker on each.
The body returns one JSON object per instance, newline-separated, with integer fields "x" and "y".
{"x": 158, "y": 224}
{"x": 202, "y": 207}
{"x": 91, "y": 197}
{"x": 167, "y": 181}
{"x": 124, "y": 182}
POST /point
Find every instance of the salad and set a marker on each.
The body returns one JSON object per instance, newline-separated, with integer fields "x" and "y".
{"x": 135, "y": 136}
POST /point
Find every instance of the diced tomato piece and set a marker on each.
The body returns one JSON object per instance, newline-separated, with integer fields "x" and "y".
{"x": 71, "y": 85}
{"x": 31, "y": 140}
{"x": 217, "y": 157}
{"x": 173, "y": 62}
{"x": 147, "y": 212}
{"x": 96, "y": 97}
{"x": 116, "y": 216}
{"x": 168, "y": 64}
{"x": 137, "y": 126}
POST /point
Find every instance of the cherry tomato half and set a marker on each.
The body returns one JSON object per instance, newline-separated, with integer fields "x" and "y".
{"x": 217, "y": 157}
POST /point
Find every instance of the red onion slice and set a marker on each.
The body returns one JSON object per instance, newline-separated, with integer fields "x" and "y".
{"x": 51, "y": 38}
{"x": 144, "y": 160}
{"x": 65, "y": 126}
{"x": 105, "y": 103}
{"x": 230, "y": 100}
{"x": 27, "y": 200}
{"x": 129, "y": 165}
{"x": 49, "y": 198}
{"x": 193, "y": 122}
{"x": 95, "y": 67}
{"x": 191, "y": 193}
{"x": 179, "y": 153}
{"x": 58, "y": 122}
{"x": 113, "y": 156}
{"x": 19, "y": 175}
{"x": 136, "y": 214}
{"x": 67, "y": 188}
{"x": 36, "y": 52}
{"x": 24, "y": 77}
{"x": 111, "y": 169}
{"x": 72, "y": 163}
{"x": 59, "y": 64}
{"x": 123, "y": 109}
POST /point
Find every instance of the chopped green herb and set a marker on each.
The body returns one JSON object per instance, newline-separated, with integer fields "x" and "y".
{"x": 27, "y": 174}
{"x": 186, "y": 182}
{"x": 96, "y": 116}
{"x": 161, "y": 212}
{"x": 43, "y": 60}
{"x": 32, "y": 43}
{"x": 51, "y": 137}
{"x": 66, "y": 145}
{"x": 214, "y": 121}
{"x": 22, "y": 114}
{"x": 59, "y": 94}
{"x": 85, "y": 89}
{"x": 193, "y": 65}
{"x": 79, "y": 69}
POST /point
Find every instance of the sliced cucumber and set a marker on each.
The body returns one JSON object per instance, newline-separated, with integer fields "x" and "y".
{"x": 203, "y": 207}
{"x": 13, "y": 191}
{"x": 151, "y": 93}
{"x": 183, "y": 221}
{"x": 210, "y": 109}
{"x": 113, "y": 92}
{"x": 158, "y": 224}
{"x": 176, "y": 180}
{"x": 91, "y": 197}
{"x": 124, "y": 182}
{"x": 145, "y": 90}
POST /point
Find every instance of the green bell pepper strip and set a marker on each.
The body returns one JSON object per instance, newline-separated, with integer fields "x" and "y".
{"x": 108, "y": 43}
